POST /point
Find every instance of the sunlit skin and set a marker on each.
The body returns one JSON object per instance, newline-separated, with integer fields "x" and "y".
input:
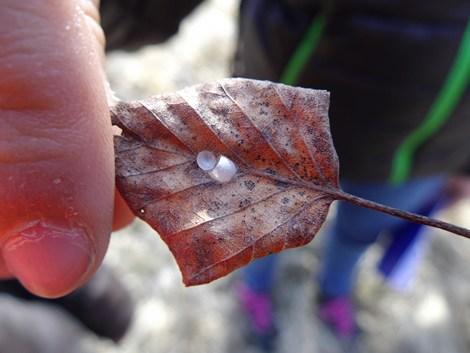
{"x": 56, "y": 152}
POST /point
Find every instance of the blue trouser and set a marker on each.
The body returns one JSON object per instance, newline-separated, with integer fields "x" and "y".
{"x": 353, "y": 230}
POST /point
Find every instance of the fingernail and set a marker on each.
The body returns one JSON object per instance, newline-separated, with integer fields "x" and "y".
{"x": 49, "y": 261}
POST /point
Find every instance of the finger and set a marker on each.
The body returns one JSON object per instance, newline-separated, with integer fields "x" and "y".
{"x": 56, "y": 156}
{"x": 123, "y": 215}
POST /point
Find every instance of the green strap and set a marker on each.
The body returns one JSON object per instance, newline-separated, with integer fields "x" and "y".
{"x": 304, "y": 51}
{"x": 454, "y": 86}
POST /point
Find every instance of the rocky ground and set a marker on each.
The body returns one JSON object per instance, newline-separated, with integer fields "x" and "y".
{"x": 432, "y": 316}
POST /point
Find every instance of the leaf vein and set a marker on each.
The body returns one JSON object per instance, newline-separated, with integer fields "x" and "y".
{"x": 303, "y": 138}
{"x": 176, "y": 193}
{"x": 167, "y": 127}
{"x": 155, "y": 171}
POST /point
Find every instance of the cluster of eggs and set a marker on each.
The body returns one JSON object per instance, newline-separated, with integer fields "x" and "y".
{"x": 220, "y": 168}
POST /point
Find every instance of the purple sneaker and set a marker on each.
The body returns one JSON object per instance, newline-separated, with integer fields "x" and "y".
{"x": 257, "y": 307}
{"x": 338, "y": 314}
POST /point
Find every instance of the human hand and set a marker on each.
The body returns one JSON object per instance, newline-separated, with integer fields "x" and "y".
{"x": 56, "y": 152}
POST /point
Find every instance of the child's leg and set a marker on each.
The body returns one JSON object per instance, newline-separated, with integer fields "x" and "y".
{"x": 259, "y": 275}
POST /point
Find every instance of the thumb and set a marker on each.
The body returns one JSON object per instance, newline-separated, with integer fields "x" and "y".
{"x": 56, "y": 156}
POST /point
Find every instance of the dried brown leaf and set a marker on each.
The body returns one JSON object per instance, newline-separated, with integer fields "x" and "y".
{"x": 278, "y": 137}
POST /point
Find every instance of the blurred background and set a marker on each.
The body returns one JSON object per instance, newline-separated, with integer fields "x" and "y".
{"x": 432, "y": 314}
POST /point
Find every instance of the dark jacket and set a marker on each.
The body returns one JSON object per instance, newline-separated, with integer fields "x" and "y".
{"x": 385, "y": 63}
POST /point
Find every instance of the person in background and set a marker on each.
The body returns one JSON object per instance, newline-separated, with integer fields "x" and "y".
{"x": 400, "y": 100}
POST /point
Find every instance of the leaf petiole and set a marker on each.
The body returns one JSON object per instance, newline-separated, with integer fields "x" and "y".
{"x": 409, "y": 216}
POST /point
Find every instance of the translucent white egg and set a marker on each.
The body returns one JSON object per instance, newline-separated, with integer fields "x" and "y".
{"x": 221, "y": 169}
{"x": 206, "y": 160}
